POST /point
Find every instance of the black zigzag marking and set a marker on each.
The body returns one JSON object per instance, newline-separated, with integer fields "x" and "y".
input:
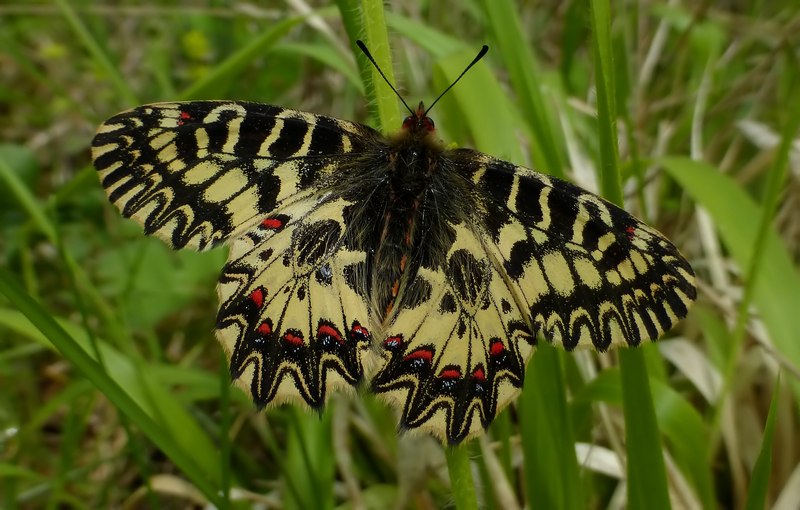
{"x": 305, "y": 356}
{"x": 145, "y": 154}
{"x": 560, "y": 211}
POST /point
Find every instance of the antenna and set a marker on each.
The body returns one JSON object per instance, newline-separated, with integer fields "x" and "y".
{"x": 475, "y": 60}
{"x": 363, "y": 47}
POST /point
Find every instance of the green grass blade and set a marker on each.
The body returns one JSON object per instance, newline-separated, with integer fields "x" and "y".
{"x": 775, "y": 181}
{"x": 458, "y": 465}
{"x": 433, "y": 41}
{"x": 95, "y": 373}
{"x": 310, "y": 461}
{"x": 647, "y": 478}
{"x": 226, "y": 419}
{"x": 235, "y": 63}
{"x": 647, "y": 483}
{"x": 736, "y": 216}
{"x": 606, "y": 105}
{"x": 547, "y": 438}
{"x": 683, "y": 427}
{"x": 327, "y": 56}
{"x": 12, "y": 185}
{"x": 22, "y": 194}
{"x": 119, "y": 83}
{"x": 526, "y": 78}
{"x": 376, "y": 37}
{"x": 759, "y": 481}
{"x": 350, "y": 12}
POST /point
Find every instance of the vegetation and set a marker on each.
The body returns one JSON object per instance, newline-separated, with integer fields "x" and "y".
{"x": 114, "y": 393}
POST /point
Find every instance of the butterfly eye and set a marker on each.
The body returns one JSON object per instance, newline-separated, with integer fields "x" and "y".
{"x": 408, "y": 122}
{"x": 427, "y": 123}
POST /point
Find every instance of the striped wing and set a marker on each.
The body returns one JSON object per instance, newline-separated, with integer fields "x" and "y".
{"x": 543, "y": 257}
{"x": 197, "y": 173}
{"x": 455, "y": 356}
{"x": 293, "y": 315}
{"x": 587, "y": 272}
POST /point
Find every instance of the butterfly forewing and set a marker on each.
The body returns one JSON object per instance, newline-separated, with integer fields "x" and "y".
{"x": 587, "y": 272}
{"x": 198, "y": 173}
{"x": 431, "y": 272}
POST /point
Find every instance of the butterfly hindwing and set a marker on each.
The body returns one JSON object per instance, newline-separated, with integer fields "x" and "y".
{"x": 197, "y": 173}
{"x": 589, "y": 273}
{"x": 293, "y": 316}
{"x": 457, "y": 357}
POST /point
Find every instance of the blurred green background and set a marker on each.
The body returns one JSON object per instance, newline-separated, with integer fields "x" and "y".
{"x": 115, "y": 394}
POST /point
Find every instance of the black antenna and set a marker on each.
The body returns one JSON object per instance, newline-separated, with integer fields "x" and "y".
{"x": 363, "y": 47}
{"x": 475, "y": 60}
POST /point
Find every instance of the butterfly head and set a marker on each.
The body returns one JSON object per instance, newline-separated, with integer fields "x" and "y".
{"x": 419, "y": 122}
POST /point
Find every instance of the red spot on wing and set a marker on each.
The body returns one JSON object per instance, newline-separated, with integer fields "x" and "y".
{"x": 496, "y": 348}
{"x": 630, "y": 231}
{"x": 393, "y": 342}
{"x": 184, "y": 117}
{"x": 272, "y": 223}
{"x": 450, "y": 373}
{"x": 423, "y": 354}
{"x": 478, "y": 374}
{"x": 328, "y": 330}
{"x": 359, "y": 330}
{"x": 293, "y": 338}
{"x": 257, "y": 296}
{"x": 265, "y": 328}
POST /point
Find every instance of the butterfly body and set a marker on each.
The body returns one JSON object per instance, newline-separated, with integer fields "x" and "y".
{"x": 430, "y": 272}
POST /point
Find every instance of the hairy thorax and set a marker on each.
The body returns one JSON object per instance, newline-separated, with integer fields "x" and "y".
{"x": 406, "y": 199}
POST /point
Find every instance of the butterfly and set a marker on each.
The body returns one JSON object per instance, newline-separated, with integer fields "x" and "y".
{"x": 428, "y": 272}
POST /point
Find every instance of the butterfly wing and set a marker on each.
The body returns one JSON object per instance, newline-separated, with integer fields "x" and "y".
{"x": 587, "y": 272}
{"x": 197, "y": 173}
{"x": 455, "y": 354}
{"x": 293, "y": 317}
{"x": 541, "y": 256}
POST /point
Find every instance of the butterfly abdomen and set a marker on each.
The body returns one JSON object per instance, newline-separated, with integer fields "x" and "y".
{"x": 407, "y": 168}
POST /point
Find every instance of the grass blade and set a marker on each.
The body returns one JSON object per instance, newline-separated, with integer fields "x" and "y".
{"x": 647, "y": 483}
{"x": 231, "y": 66}
{"x": 526, "y": 78}
{"x": 759, "y": 481}
{"x": 547, "y": 438}
{"x": 683, "y": 427}
{"x": 95, "y": 373}
{"x": 376, "y": 37}
{"x": 458, "y": 465}
{"x": 119, "y": 83}
{"x": 736, "y": 217}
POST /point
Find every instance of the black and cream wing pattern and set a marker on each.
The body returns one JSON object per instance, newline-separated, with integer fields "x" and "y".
{"x": 424, "y": 274}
